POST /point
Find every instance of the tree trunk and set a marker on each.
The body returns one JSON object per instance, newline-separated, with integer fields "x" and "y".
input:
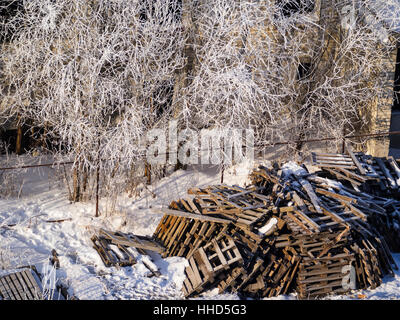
{"x": 97, "y": 190}
{"x": 76, "y": 182}
{"x": 85, "y": 178}
{"x": 18, "y": 144}
{"x": 147, "y": 172}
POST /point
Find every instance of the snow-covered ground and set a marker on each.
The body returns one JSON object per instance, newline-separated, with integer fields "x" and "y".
{"x": 31, "y": 240}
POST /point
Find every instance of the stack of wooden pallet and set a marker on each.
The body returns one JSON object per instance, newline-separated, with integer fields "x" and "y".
{"x": 288, "y": 231}
{"x": 374, "y": 183}
{"x": 376, "y": 175}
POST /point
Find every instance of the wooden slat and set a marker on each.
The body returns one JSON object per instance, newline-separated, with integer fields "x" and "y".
{"x": 308, "y": 219}
{"x": 13, "y": 288}
{"x": 7, "y": 291}
{"x": 335, "y": 195}
{"x": 310, "y": 192}
{"x": 32, "y": 284}
{"x": 190, "y": 215}
{"x": 22, "y": 293}
{"x": 355, "y": 160}
{"x": 386, "y": 173}
{"x": 395, "y": 168}
{"x": 131, "y": 240}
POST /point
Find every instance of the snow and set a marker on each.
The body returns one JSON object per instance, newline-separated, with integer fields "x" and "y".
{"x": 30, "y": 242}
{"x": 268, "y": 226}
{"x": 293, "y": 168}
{"x": 43, "y": 198}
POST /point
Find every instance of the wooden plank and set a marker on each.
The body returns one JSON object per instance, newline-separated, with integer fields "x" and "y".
{"x": 386, "y": 173}
{"x": 329, "y": 285}
{"x": 190, "y": 215}
{"x": 197, "y": 278}
{"x": 310, "y": 192}
{"x": 131, "y": 240}
{"x": 355, "y": 211}
{"x": 323, "y": 165}
{"x": 177, "y": 234}
{"x": 26, "y": 285}
{"x": 299, "y": 223}
{"x": 308, "y": 219}
{"x": 3, "y": 291}
{"x": 352, "y": 174}
{"x": 193, "y": 206}
{"x": 395, "y": 168}
{"x": 333, "y": 215}
{"x": 335, "y": 195}
{"x": 203, "y": 257}
{"x": 7, "y": 291}
{"x": 335, "y": 276}
{"x": 173, "y": 232}
{"x": 32, "y": 284}
{"x": 22, "y": 293}
{"x": 339, "y": 175}
{"x": 329, "y": 154}
{"x": 355, "y": 160}
{"x": 221, "y": 256}
{"x": 13, "y": 288}
{"x": 336, "y": 159}
{"x": 249, "y": 277}
{"x": 239, "y": 194}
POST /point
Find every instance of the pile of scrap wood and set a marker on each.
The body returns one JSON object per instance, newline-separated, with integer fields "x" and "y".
{"x": 375, "y": 184}
{"x": 314, "y": 230}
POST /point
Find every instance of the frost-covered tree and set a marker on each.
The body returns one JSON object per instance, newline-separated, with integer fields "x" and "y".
{"x": 290, "y": 69}
{"x": 97, "y": 73}
{"x": 100, "y": 74}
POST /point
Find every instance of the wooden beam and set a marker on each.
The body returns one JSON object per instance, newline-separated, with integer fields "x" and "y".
{"x": 189, "y": 215}
{"x": 356, "y": 162}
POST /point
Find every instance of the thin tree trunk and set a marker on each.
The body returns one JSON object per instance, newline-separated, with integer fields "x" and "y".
{"x": 97, "y": 179}
{"x": 76, "y": 185}
{"x": 18, "y": 144}
{"x": 147, "y": 172}
{"x": 85, "y": 177}
{"x": 97, "y": 190}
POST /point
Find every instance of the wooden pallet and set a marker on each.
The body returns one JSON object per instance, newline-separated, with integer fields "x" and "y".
{"x": 124, "y": 240}
{"x": 113, "y": 254}
{"x": 20, "y": 286}
{"x": 210, "y": 261}
{"x": 219, "y": 255}
{"x": 317, "y": 277}
{"x": 197, "y": 277}
{"x": 332, "y": 160}
{"x": 242, "y": 206}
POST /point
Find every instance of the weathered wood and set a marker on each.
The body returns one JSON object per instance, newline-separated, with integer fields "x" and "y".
{"x": 355, "y": 160}
{"x": 20, "y": 286}
{"x": 328, "y": 225}
{"x": 132, "y": 240}
{"x": 178, "y": 213}
{"x": 386, "y": 173}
